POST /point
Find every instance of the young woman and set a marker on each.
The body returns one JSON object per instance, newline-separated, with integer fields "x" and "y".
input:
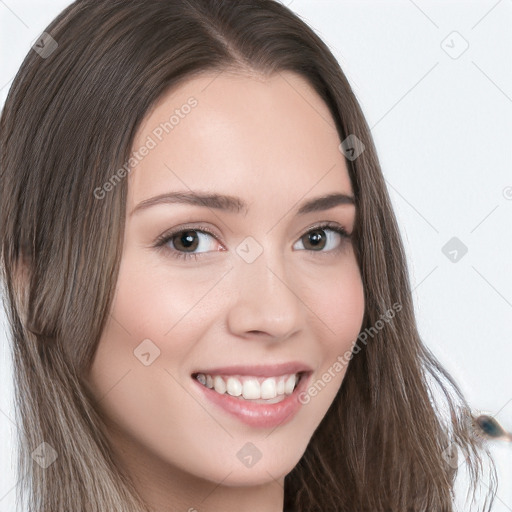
{"x": 205, "y": 283}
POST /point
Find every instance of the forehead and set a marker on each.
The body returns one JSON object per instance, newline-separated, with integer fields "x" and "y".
{"x": 240, "y": 135}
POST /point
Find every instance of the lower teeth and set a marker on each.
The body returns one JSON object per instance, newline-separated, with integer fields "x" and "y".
{"x": 278, "y": 398}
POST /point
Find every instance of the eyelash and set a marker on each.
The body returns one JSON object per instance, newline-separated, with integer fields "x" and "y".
{"x": 167, "y": 237}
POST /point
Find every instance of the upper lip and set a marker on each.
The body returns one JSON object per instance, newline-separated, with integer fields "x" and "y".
{"x": 269, "y": 370}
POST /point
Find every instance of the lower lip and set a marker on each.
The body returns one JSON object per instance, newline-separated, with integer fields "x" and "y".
{"x": 257, "y": 414}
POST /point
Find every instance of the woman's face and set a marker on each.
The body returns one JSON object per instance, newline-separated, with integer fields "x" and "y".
{"x": 251, "y": 300}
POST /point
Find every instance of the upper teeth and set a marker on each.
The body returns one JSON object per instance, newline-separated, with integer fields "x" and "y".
{"x": 250, "y": 388}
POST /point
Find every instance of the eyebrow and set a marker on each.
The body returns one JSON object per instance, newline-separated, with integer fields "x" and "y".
{"x": 236, "y": 205}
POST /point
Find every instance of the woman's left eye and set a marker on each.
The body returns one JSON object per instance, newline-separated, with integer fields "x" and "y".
{"x": 322, "y": 238}
{"x": 316, "y": 237}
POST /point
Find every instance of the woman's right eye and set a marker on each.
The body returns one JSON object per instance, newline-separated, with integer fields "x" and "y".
{"x": 185, "y": 240}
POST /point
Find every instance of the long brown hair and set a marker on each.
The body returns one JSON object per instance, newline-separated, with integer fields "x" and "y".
{"x": 67, "y": 126}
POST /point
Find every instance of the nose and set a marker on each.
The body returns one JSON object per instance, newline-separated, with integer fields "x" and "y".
{"x": 264, "y": 300}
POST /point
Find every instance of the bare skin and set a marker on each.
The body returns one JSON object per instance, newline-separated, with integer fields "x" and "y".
{"x": 272, "y": 143}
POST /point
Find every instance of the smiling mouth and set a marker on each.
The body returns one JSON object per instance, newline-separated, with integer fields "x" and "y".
{"x": 249, "y": 388}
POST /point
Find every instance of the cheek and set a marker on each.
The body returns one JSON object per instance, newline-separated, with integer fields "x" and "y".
{"x": 336, "y": 300}
{"x": 145, "y": 405}
{"x": 339, "y": 307}
{"x": 151, "y": 299}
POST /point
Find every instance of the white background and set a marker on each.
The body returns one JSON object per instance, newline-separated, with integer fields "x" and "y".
{"x": 443, "y": 131}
